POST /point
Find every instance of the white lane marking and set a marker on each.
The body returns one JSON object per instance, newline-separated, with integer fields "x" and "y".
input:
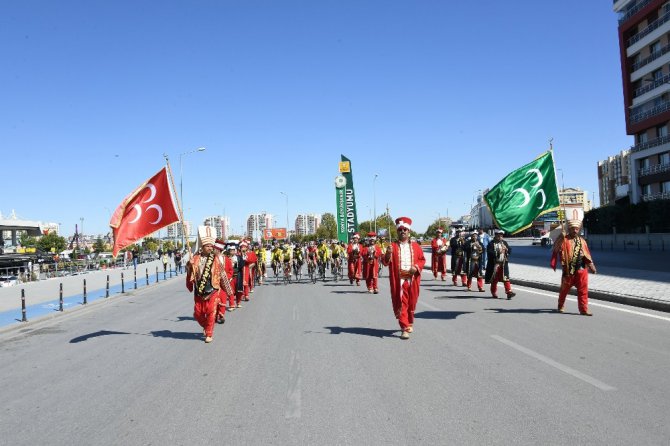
{"x": 294, "y": 392}
{"x": 564, "y": 368}
{"x": 595, "y": 304}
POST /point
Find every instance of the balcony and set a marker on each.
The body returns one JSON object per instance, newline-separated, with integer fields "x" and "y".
{"x": 658, "y": 168}
{"x": 649, "y": 144}
{"x": 649, "y": 29}
{"x": 656, "y": 196}
{"x": 650, "y": 113}
{"x": 652, "y": 84}
{"x": 632, "y": 11}
{"x": 652, "y": 57}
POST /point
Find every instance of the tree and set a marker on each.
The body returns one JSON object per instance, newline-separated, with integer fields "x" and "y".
{"x": 98, "y": 246}
{"x": 27, "y": 241}
{"x": 328, "y": 227}
{"x": 51, "y": 241}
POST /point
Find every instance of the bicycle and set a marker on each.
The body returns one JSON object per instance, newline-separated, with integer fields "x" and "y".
{"x": 297, "y": 269}
{"x": 322, "y": 271}
{"x": 311, "y": 271}
{"x": 275, "y": 269}
{"x": 336, "y": 270}
{"x": 287, "y": 273}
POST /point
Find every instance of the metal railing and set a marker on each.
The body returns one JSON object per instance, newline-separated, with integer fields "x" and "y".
{"x": 651, "y": 85}
{"x": 657, "y": 168}
{"x": 653, "y": 26}
{"x": 656, "y": 196}
{"x": 641, "y": 116}
{"x": 632, "y": 11}
{"x": 651, "y": 143}
{"x": 652, "y": 57}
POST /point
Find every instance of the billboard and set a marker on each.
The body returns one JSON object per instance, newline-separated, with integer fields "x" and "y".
{"x": 275, "y": 233}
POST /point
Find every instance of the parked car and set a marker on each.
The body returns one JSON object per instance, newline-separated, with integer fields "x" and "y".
{"x": 537, "y": 240}
{"x": 6, "y": 281}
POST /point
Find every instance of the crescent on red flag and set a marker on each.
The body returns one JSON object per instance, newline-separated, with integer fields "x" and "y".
{"x": 147, "y": 209}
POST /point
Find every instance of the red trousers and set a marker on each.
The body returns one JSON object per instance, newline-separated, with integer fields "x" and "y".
{"x": 579, "y": 280}
{"x": 497, "y": 277}
{"x": 480, "y": 279}
{"x": 231, "y": 297}
{"x": 354, "y": 269}
{"x": 459, "y": 270}
{"x": 404, "y": 312}
{"x": 204, "y": 311}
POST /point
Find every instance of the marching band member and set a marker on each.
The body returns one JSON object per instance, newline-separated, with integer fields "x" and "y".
{"x": 405, "y": 261}
{"x": 371, "y": 255}
{"x": 457, "y": 244}
{"x": 497, "y": 268}
{"x": 354, "y": 259}
{"x": 438, "y": 260}
{"x": 576, "y": 261}
{"x": 474, "y": 251}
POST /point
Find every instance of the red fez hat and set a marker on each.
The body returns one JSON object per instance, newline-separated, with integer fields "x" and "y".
{"x": 403, "y": 222}
{"x": 356, "y": 234}
{"x": 372, "y": 234}
{"x": 440, "y": 230}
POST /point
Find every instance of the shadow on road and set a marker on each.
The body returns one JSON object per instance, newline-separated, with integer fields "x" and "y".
{"x": 96, "y": 334}
{"x": 466, "y": 296}
{"x": 364, "y": 331}
{"x": 185, "y": 318}
{"x": 352, "y": 291}
{"x": 440, "y": 314}
{"x": 521, "y": 310}
{"x": 176, "y": 335}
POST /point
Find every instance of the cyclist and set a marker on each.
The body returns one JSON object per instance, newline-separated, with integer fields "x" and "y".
{"x": 287, "y": 259}
{"x": 337, "y": 252}
{"x": 298, "y": 258}
{"x": 277, "y": 255}
{"x": 323, "y": 254}
{"x": 261, "y": 255}
{"x": 311, "y": 255}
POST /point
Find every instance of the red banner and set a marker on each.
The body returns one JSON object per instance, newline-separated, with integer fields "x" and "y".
{"x": 147, "y": 209}
{"x": 277, "y": 233}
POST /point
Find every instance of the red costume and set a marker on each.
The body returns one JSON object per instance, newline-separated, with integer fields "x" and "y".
{"x": 252, "y": 261}
{"x": 205, "y": 303}
{"x": 354, "y": 260}
{"x": 404, "y": 284}
{"x": 575, "y": 258}
{"x": 371, "y": 255}
{"x": 438, "y": 262}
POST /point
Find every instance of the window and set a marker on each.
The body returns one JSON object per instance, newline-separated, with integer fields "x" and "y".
{"x": 661, "y": 131}
{"x": 644, "y": 163}
{"x": 646, "y": 189}
{"x": 655, "y": 47}
{"x": 664, "y": 158}
{"x": 665, "y": 187}
{"x": 642, "y": 137}
{"x": 657, "y": 74}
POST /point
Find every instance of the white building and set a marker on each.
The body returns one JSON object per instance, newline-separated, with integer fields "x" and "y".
{"x": 221, "y": 223}
{"x": 306, "y": 224}
{"x": 257, "y": 223}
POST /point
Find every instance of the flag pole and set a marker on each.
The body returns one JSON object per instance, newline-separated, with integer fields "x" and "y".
{"x": 562, "y": 205}
{"x": 179, "y": 208}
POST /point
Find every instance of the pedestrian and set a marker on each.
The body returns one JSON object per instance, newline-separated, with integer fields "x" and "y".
{"x": 576, "y": 261}
{"x": 497, "y": 268}
{"x": 177, "y": 261}
{"x": 203, "y": 278}
{"x": 438, "y": 261}
{"x": 165, "y": 260}
{"x": 484, "y": 240}
{"x": 226, "y": 290}
{"x": 405, "y": 261}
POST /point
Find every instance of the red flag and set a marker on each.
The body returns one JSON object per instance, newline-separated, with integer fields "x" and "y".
{"x": 147, "y": 209}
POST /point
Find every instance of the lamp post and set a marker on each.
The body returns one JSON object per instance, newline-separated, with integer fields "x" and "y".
{"x": 374, "y": 199}
{"x": 181, "y": 187}
{"x": 288, "y": 236}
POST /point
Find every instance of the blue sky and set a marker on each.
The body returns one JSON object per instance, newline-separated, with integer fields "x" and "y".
{"x": 439, "y": 98}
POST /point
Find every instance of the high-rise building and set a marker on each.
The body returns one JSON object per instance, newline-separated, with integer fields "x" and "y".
{"x": 644, "y": 40}
{"x": 306, "y": 224}
{"x": 175, "y": 229}
{"x": 257, "y": 223}
{"x": 614, "y": 178}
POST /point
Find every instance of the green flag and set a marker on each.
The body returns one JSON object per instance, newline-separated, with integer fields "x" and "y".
{"x": 524, "y": 194}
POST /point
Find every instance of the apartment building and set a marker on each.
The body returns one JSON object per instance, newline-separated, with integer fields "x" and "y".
{"x": 256, "y": 223}
{"x": 644, "y": 41}
{"x": 306, "y": 224}
{"x": 614, "y": 179}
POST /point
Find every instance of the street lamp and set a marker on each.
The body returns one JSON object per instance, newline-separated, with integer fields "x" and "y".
{"x": 374, "y": 199}
{"x": 288, "y": 236}
{"x": 181, "y": 188}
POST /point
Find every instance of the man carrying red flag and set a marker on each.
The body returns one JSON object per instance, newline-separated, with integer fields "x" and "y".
{"x": 227, "y": 289}
{"x": 405, "y": 261}
{"x": 203, "y": 278}
{"x": 146, "y": 210}
{"x": 438, "y": 261}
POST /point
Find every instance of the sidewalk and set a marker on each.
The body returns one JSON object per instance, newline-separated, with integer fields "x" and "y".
{"x": 636, "y": 287}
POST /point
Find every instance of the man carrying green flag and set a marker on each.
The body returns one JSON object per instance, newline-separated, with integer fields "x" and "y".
{"x": 524, "y": 194}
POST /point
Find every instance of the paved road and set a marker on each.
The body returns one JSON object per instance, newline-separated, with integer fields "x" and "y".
{"x": 323, "y": 364}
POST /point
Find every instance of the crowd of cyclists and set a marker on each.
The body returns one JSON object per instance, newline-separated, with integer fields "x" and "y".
{"x": 321, "y": 260}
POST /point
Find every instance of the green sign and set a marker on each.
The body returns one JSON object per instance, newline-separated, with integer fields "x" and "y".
{"x": 347, "y": 221}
